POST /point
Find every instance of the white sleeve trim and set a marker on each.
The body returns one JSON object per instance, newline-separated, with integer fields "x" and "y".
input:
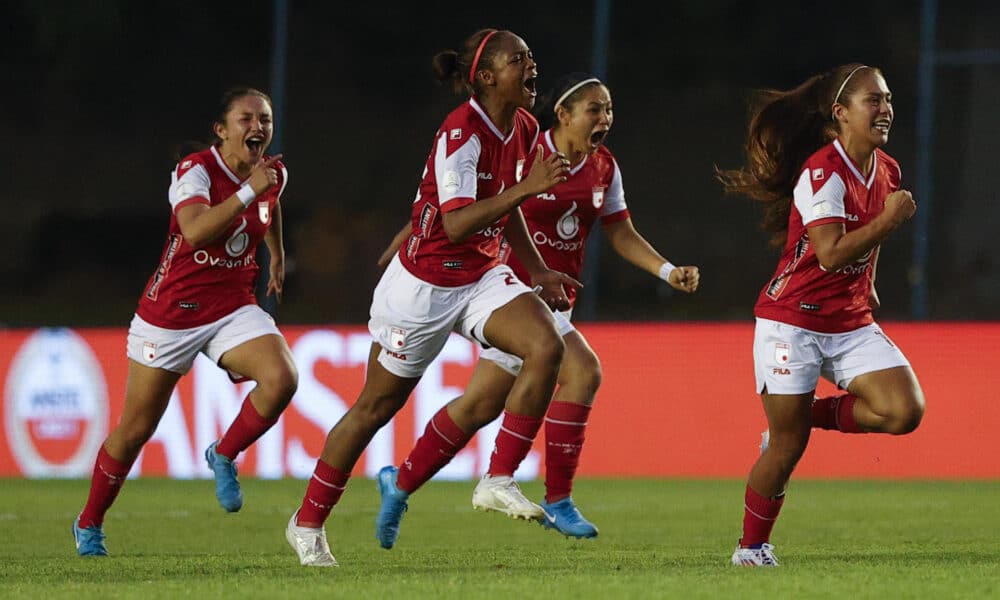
{"x": 194, "y": 183}
{"x": 826, "y": 203}
{"x": 456, "y": 174}
{"x": 614, "y": 196}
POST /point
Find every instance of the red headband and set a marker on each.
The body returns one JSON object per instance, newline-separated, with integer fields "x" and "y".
{"x": 479, "y": 52}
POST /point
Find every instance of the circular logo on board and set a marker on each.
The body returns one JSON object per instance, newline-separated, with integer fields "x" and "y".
{"x": 56, "y": 405}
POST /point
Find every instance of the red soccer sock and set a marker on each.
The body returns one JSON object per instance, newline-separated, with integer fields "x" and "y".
{"x": 517, "y": 432}
{"x": 441, "y": 441}
{"x": 759, "y": 516}
{"x": 325, "y": 488}
{"x": 565, "y": 424}
{"x": 246, "y": 428}
{"x": 107, "y": 480}
{"x": 835, "y": 413}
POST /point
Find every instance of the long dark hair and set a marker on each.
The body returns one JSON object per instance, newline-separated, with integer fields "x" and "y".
{"x": 225, "y": 104}
{"x": 786, "y": 128}
{"x": 545, "y": 108}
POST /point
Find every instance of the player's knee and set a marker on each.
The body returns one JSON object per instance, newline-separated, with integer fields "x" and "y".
{"x": 545, "y": 348}
{"x": 134, "y": 435}
{"x": 374, "y": 411}
{"x": 906, "y": 416}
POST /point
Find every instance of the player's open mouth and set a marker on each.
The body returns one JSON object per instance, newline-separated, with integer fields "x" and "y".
{"x": 597, "y": 138}
{"x": 255, "y": 144}
{"x": 529, "y": 85}
{"x": 882, "y": 125}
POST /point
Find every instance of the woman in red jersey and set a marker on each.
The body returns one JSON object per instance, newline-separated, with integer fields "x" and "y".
{"x": 831, "y": 196}
{"x": 579, "y": 112}
{"x": 447, "y": 275}
{"x": 224, "y": 200}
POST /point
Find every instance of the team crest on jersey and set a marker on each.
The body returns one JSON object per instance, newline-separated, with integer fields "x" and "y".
{"x": 818, "y": 175}
{"x": 264, "y": 211}
{"x": 782, "y": 352}
{"x": 455, "y": 134}
{"x": 148, "y": 351}
{"x": 397, "y": 337}
{"x": 519, "y": 170}
{"x": 598, "y": 197}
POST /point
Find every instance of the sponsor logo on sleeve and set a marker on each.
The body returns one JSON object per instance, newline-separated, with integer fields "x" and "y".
{"x": 451, "y": 181}
{"x": 821, "y": 209}
{"x": 455, "y": 134}
{"x": 817, "y": 174}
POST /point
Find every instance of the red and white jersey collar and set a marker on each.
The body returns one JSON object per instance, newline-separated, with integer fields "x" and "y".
{"x": 552, "y": 148}
{"x": 489, "y": 123}
{"x": 854, "y": 169}
{"x": 225, "y": 168}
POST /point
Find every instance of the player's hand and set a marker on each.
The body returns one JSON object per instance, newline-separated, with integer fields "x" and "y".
{"x": 264, "y": 175}
{"x": 685, "y": 279}
{"x": 277, "y": 280}
{"x": 552, "y": 291}
{"x": 546, "y": 172}
{"x": 899, "y": 206}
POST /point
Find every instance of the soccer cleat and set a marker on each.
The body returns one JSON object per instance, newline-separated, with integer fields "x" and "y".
{"x": 392, "y": 509}
{"x": 89, "y": 540}
{"x": 765, "y": 440}
{"x": 310, "y": 544}
{"x": 564, "y": 517}
{"x": 227, "y": 487}
{"x": 502, "y": 494}
{"x": 758, "y": 555}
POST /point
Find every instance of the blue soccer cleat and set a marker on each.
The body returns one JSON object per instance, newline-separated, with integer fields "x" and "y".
{"x": 393, "y": 506}
{"x": 564, "y": 517}
{"x": 89, "y": 540}
{"x": 227, "y": 487}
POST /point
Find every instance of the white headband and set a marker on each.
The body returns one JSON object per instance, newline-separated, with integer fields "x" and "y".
{"x": 570, "y": 91}
{"x": 846, "y": 79}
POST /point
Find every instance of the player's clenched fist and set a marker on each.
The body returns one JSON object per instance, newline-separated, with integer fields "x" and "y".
{"x": 899, "y": 206}
{"x": 264, "y": 175}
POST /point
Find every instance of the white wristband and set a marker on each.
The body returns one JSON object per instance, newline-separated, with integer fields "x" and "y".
{"x": 666, "y": 270}
{"x": 246, "y": 195}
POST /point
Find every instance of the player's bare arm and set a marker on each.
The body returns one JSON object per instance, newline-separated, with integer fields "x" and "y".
{"x": 545, "y": 173}
{"x": 836, "y": 248}
{"x": 200, "y": 224}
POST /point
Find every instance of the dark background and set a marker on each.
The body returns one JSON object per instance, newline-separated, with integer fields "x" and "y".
{"x": 96, "y": 96}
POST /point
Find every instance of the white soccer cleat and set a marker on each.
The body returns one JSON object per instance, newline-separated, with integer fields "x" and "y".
{"x": 760, "y": 556}
{"x": 502, "y": 494}
{"x": 310, "y": 544}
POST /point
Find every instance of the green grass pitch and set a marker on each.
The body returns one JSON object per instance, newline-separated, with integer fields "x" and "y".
{"x": 659, "y": 539}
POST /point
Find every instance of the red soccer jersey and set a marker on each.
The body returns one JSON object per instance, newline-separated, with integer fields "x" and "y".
{"x": 560, "y": 219}
{"x": 471, "y": 160}
{"x": 194, "y": 287}
{"x": 830, "y": 189}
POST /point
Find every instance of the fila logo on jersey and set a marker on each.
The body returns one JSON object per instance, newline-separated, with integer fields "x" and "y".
{"x": 455, "y": 134}
{"x": 817, "y": 174}
{"x": 546, "y": 197}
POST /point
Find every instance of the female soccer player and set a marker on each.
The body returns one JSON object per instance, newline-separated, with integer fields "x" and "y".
{"x": 580, "y": 114}
{"x": 448, "y": 276}
{"x": 224, "y": 201}
{"x": 831, "y": 194}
